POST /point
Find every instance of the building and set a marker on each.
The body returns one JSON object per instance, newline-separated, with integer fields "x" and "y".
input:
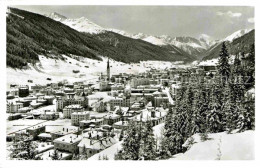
{"x": 96, "y": 122}
{"x": 64, "y": 131}
{"x": 34, "y": 131}
{"x": 160, "y": 101}
{"x": 156, "y": 116}
{"x": 68, "y": 143}
{"x": 23, "y": 91}
{"x": 99, "y": 107}
{"x": 119, "y": 101}
{"x": 14, "y": 107}
{"x": 76, "y": 117}
{"x": 111, "y": 118}
{"x": 92, "y": 146}
{"x": 139, "y": 81}
{"x": 81, "y": 100}
{"x": 104, "y": 86}
{"x": 117, "y": 87}
{"x": 68, "y": 110}
{"x": 14, "y": 116}
{"x": 49, "y": 115}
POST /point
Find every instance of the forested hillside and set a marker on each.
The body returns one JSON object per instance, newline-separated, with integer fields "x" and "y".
{"x": 241, "y": 44}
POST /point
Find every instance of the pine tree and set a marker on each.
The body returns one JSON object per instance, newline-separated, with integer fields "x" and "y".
{"x": 246, "y": 118}
{"x": 55, "y": 155}
{"x": 223, "y": 64}
{"x": 131, "y": 144}
{"x": 199, "y": 110}
{"x": 149, "y": 151}
{"x": 250, "y": 67}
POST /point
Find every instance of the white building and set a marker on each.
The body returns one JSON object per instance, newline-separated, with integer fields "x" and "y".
{"x": 76, "y": 117}
{"x": 68, "y": 110}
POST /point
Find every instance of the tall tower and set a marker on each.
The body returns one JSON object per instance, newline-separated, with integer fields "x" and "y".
{"x": 108, "y": 70}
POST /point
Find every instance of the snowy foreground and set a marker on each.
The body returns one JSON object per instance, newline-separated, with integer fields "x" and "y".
{"x": 223, "y": 146}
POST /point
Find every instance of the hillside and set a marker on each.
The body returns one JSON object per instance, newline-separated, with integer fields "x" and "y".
{"x": 30, "y": 35}
{"x": 240, "y": 44}
{"x": 139, "y": 50}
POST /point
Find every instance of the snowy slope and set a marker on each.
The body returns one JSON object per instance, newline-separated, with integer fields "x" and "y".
{"x": 236, "y": 34}
{"x": 80, "y": 24}
{"x": 223, "y": 146}
{"x": 154, "y": 40}
{"x": 89, "y": 70}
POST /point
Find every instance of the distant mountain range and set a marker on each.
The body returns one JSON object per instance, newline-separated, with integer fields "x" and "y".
{"x": 30, "y": 34}
{"x": 198, "y": 48}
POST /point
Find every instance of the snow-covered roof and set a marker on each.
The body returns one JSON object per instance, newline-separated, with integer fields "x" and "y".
{"x": 44, "y": 135}
{"x": 97, "y": 144}
{"x": 70, "y": 138}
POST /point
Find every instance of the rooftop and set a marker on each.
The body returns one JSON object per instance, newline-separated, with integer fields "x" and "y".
{"x": 70, "y": 138}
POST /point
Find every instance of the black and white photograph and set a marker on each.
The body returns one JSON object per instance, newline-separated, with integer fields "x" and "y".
{"x": 129, "y": 82}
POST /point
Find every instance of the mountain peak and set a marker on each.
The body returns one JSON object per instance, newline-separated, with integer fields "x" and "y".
{"x": 56, "y": 16}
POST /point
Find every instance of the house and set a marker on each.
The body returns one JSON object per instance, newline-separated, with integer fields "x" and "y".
{"x": 68, "y": 143}
{"x": 91, "y": 146}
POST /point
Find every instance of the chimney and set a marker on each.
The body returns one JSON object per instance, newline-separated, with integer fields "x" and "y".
{"x": 91, "y": 142}
{"x": 63, "y": 129}
{"x": 67, "y": 130}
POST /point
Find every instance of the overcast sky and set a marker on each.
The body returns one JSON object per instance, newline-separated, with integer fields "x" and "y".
{"x": 217, "y": 22}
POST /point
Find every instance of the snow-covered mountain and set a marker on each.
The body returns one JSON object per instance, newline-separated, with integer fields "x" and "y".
{"x": 236, "y": 34}
{"x": 188, "y": 44}
{"x": 80, "y": 24}
{"x": 193, "y": 46}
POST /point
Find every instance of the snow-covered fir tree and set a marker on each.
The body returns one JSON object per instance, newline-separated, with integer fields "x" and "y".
{"x": 223, "y": 65}
{"x": 131, "y": 144}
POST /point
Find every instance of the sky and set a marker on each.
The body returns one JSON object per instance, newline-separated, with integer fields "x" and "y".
{"x": 215, "y": 21}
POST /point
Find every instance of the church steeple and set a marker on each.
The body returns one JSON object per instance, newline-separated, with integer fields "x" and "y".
{"x": 108, "y": 70}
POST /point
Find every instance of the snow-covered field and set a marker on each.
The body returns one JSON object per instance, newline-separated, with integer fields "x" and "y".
{"x": 223, "y": 146}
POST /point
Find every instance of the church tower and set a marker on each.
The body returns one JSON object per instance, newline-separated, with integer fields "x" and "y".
{"x": 108, "y": 70}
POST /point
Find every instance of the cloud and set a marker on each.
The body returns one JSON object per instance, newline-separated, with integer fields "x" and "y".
{"x": 251, "y": 20}
{"x": 230, "y": 14}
